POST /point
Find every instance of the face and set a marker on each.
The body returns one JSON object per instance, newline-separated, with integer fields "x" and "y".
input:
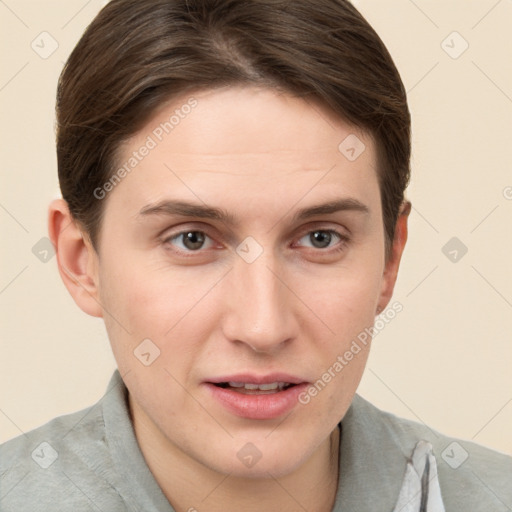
{"x": 259, "y": 289}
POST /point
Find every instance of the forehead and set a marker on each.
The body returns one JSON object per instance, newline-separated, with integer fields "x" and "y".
{"x": 245, "y": 148}
{"x": 272, "y": 121}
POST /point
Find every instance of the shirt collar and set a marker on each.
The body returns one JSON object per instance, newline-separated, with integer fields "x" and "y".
{"x": 372, "y": 463}
{"x": 135, "y": 482}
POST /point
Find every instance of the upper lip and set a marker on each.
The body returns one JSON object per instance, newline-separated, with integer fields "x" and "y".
{"x": 251, "y": 378}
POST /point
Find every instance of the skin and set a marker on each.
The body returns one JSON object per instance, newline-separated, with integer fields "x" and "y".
{"x": 261, "y": 155}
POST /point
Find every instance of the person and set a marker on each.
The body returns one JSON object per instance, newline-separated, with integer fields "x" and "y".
{"x": 233, "y": 179}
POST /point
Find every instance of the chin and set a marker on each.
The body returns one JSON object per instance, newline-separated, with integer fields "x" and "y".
{"x": 263, "y": 469}
{"x": 257, "y": 460}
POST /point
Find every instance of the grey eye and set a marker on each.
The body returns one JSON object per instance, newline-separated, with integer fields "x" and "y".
{"x": 193, "y": 239}
{"x": 190, "y": 240}
{"x": 321, "y": 238}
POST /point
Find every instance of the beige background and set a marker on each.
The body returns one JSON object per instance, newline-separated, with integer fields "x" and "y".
{"x": 444, "y": 360}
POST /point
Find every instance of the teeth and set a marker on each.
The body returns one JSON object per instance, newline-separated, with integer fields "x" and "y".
{"x": 236, "y": 384}
{"x": 267, "y": 387}
{"x": 262, "y": 387}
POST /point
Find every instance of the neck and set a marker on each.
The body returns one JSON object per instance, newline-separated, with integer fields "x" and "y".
{"x": 190, "y": 485}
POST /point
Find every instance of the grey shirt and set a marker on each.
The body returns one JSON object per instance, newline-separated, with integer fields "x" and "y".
{"x": 90, "y": 460}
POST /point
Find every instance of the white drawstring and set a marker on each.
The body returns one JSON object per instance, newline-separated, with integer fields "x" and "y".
{"x": 420, "y": 490}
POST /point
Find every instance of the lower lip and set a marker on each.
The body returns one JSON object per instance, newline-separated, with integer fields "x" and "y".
{"x": 257, "y": 407}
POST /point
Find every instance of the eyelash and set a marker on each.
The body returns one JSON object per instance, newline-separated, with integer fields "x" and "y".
{"x": 343, "y": 240}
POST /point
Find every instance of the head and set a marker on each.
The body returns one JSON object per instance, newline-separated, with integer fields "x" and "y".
{"x": 233, "y": 178}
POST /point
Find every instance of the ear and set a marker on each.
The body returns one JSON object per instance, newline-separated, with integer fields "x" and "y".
{"x": 393, "y": 261}
{"x": 76, "y": 258}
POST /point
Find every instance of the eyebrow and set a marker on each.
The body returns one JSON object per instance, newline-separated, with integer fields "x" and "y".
{"x": 187, "y": 209}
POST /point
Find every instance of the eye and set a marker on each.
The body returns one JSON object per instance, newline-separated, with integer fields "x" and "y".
{"x": 192, "y": 240}
{"x": 322, "y": 238}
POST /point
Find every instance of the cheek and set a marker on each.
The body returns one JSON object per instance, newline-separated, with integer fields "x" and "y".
{"x": 153, "y": 302}
{"x": 345, "y": 299}
{"x": 150, "y": 295}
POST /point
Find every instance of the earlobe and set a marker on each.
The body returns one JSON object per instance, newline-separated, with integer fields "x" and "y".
{"x": 393, "y": 262}
{"x": 76, "y": 258}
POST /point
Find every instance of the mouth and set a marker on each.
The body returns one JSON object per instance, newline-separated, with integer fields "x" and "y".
{"x": 256, "y": 397}
{"x": 247, "y": 388}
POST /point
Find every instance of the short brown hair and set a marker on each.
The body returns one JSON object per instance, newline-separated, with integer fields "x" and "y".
{"x": 138, "y": 54}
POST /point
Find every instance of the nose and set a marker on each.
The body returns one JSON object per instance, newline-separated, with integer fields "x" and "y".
{"x": 260, "y": 311}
